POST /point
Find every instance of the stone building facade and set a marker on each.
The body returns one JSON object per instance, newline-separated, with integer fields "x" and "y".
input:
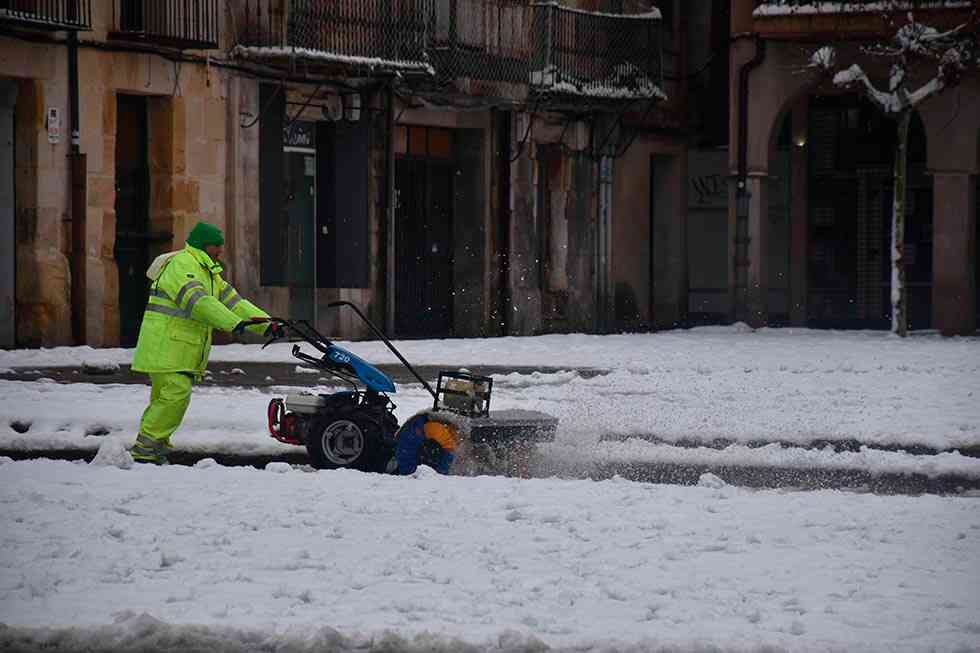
{"x": 808, "y": 244}
{"x": 451, "y": 177}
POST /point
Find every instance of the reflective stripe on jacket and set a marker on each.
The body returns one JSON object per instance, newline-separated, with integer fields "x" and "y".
{"x": 187, "y": 301}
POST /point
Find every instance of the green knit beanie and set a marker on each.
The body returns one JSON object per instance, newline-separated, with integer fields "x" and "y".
{"x": 204, "y": 234}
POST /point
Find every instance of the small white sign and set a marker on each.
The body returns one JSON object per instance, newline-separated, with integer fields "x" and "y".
{"x": 53, "y": 125}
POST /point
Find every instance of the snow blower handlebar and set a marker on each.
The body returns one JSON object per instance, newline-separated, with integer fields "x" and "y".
{"x": 305, "y": 330}
{"x": 301, "y": 328}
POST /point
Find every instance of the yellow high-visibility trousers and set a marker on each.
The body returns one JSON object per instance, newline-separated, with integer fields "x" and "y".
{"x": 169, "y": 398}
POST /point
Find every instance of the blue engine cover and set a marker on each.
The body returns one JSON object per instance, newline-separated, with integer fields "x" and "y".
{"x": 369, "y": 375}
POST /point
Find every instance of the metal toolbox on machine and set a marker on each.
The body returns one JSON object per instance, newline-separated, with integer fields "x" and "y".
{"x": 305, "y": 403}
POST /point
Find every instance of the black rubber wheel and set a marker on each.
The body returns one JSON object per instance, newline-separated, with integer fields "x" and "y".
{"x": 348, "y": 441}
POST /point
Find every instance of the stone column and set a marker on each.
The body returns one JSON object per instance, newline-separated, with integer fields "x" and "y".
{"x": 954, "y": 292}
{"x": 525, "y": 318}
{"x": 8, "y": 103}
{"x": 755, "y": 309}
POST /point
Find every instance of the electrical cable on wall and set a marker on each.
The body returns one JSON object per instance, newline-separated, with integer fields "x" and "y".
{"x": 523, "y": 141}
{"x": 299, "y": 113}
{"x": 263, "y": 110}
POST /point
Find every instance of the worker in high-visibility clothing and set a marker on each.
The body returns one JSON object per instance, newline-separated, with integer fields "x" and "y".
{"x": 188, "y": 299}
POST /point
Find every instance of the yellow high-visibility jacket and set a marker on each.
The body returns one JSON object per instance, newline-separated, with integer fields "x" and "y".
{"x": 188, "y": 300}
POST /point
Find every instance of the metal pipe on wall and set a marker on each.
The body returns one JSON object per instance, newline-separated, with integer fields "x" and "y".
{"x": 78, "y": 173}
{"x": 388, "y": 223}
{"x": 742, "y": 194}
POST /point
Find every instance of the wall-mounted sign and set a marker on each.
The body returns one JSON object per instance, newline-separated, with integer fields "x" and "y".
{"x": 299, "y": 134}
{"x": 53, "y": 124}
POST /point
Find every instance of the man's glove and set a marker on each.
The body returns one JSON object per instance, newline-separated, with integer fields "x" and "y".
{"x": 241, "y": 326}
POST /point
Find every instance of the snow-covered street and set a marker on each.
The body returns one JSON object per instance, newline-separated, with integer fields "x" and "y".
{"x": 281, "y": 559}
{"x": 260, "y": 560}
{"x": 697, "y": 387}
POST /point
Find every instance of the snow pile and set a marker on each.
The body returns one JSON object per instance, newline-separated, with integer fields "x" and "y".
{"x": 161, "y": 558}
{"x": 144, "y": 633}
{"x": 100, "y": 366}
{"x": 113, "y": 453}
{"x": 573, "y": 461}
{"x": 711, "y": 481}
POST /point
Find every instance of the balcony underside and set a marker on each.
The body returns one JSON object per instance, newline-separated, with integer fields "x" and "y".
{"x": 176, "y": 42}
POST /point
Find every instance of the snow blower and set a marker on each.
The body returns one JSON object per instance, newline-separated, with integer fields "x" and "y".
{"x": 357, "y": 428}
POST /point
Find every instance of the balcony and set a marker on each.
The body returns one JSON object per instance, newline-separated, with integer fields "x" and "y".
{"x": 596, "y": 55}
{"x": 182, "y": 24}
{"x": 55, "y": 15}
{"x": 368, "y": 35}
{"x": 506, "y": 48}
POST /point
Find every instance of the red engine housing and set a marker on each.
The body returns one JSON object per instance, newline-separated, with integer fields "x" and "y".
{"x": 283, "y": 425}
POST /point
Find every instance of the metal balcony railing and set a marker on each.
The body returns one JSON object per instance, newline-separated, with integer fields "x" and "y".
{"x": 72, "y": 15}
{"x": 483, "y": 39}
{"x": 378, "y": 34}
{"x": 598, "y": 55}
{"x": 178, "y": 23}
{"x": 549, "y": 48}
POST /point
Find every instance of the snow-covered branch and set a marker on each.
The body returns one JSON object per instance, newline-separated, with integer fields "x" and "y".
{"x": 899, "y": 98}
{"x": 952, "y": 52}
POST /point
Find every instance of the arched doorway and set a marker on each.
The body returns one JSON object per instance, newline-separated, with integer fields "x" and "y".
{"x": 850, "y": 167}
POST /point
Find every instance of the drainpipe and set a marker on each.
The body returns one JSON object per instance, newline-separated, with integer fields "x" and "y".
{"x": 77, "y": 173}
{"x": 388, "y": 222}
{"x": 742, "y": 195}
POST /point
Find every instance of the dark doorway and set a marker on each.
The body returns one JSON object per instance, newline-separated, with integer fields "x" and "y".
{"x": 132, "y": 213}
{"x": 851, "y": 163}
{"x": 424, "y": 235}
{"x": 299, "y": 182}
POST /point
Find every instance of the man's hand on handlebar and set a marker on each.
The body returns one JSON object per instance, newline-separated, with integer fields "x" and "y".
{"x": 244, "y": 324}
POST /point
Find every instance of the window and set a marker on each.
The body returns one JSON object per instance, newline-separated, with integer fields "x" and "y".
{"x": 424, "y": 142}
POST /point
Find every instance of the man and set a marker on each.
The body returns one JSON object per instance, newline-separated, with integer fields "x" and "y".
{"x": 188, "y": 299}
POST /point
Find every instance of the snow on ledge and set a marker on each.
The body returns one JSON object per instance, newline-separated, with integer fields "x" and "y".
{"x": 811, "y": 8}
{"x": 606, "y": 92}
{"x": 247, "y": 52}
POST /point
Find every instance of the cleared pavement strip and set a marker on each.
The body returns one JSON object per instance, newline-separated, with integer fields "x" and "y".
{"x": 260, "y": 375}
{"x": 646, "y": 472}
